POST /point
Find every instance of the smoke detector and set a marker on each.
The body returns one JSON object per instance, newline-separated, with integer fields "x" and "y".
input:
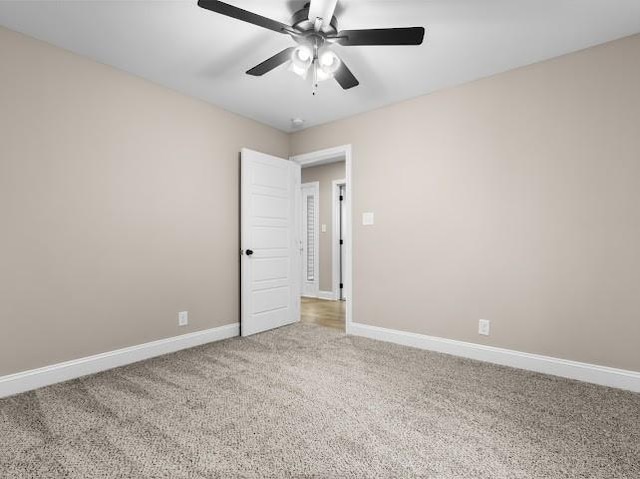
{"x": 297, "y": 122}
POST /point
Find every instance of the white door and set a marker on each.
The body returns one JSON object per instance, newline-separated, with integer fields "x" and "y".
{"x": 310, "y": 238}
{"x": 270, "y": 259}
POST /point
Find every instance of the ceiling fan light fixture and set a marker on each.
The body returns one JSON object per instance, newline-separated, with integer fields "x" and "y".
{"x": 303, "y": 72}
{"x": 322, "y": 75}
{"x": 314, "y": 27}
{"x": 329, "y": 61}
{"x": 301, "y": 60}
{"x": 302, "y": 55}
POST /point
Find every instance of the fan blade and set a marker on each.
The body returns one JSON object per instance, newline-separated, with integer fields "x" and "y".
{"x": 345, "y": 78}
{"x": 245, "y": 16}
{"x": 381, "y": 36}
{"x": 322, "y": 9}
{"x": 273, "y": 62}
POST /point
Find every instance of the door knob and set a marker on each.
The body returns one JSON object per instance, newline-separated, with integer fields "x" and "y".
{"x": 249, "y": 252}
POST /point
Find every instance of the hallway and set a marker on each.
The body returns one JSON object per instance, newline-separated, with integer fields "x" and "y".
{"x": 323, "y": 312}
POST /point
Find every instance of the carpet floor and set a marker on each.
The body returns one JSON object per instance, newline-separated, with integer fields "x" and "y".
{"x": 307, "y": 401}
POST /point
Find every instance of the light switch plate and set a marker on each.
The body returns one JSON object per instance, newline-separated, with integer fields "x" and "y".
{"x": 183, "y": 318}
{"x": 367, "y": 219}
{"x": 324, "y": 228}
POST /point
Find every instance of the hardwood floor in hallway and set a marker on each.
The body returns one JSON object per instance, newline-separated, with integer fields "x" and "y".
{"x": 325, "y": 313}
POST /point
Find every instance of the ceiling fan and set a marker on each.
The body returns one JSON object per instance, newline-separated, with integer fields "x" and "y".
{"x": 315, "y": 28}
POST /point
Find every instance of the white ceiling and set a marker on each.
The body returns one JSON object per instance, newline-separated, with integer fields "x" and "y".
{"x": 205, "y": 55}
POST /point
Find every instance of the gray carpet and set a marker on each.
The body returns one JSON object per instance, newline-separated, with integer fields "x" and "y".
{"x": 305, "y": 401}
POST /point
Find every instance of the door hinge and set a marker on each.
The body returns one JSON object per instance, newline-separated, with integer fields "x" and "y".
{"x": 341, "y": 198}
{"x": 341, "y": 242}
{"x": 341, "y": 286}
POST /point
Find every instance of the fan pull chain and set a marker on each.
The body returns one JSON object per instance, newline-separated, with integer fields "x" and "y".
{"x": 315, "y": 76}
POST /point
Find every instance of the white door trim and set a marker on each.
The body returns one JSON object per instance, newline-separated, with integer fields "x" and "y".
{"x": 335, "y": 233}
{"x": 331, "y": 155}
{"x": 312, "y": 291}
{"x": 321, "y": 157}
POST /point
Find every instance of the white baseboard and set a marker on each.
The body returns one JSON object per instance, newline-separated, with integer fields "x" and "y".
{"x": 591, "y": 373}
{"x": 329, "y": 295}
{"x": 56, "y": 373}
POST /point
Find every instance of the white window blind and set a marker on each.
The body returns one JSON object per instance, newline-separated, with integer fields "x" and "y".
{"x": 311, "y": 233}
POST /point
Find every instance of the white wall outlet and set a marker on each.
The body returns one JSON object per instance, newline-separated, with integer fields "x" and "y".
{"x": 484, "y": 327}
{"x": 183, "y": 318}
{"x": 367, "y": 219}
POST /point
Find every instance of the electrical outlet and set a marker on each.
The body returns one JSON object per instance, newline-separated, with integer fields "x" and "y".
{"x": 484, "y": 327}
{"x": 183, "y": 318}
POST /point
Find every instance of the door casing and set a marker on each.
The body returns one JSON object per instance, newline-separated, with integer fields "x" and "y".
{"x": 335, "y": 240}
{"x": 331, "y": 155}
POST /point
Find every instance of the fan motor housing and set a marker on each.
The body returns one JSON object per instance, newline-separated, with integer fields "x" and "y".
{"x": 301, "y": 22}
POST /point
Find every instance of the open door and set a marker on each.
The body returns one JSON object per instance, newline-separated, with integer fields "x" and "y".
{"x": 270, "y": 246}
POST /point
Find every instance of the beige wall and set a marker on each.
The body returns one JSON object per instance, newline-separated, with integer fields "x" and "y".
{"x": 514, "y": 198}
{"x": 118, "y": 206}
{"x": 325, "y": 175}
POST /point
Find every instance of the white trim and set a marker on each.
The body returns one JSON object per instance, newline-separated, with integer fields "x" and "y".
{"x": 56, "y": 373}
{"x": 311, "y": 288}
{"x": 296, "y": 266}
{"x": 328, "y": 295}
{"x": 321, "y": 157}
{"x": 591, "y": 373}
{"x": 331, "y": 155}
{"x": 335, "y": 237}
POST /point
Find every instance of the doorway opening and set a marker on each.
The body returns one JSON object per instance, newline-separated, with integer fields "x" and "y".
{"x": 325, "y": 202}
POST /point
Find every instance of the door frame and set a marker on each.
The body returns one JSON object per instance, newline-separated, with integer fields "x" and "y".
{"x": 335, "y": 237}
{"x": 332, "y": 155}
{"x": 314, "y": 186}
